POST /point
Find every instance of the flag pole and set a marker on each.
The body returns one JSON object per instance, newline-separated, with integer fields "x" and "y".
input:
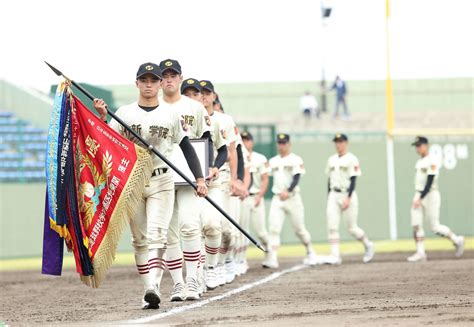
{"x": 165, "y": 160}
{"x": 392, "y": 201}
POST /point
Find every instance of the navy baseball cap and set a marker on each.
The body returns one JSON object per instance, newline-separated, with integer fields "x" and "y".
{"x": 420, "y": 140}
{"x": 149, "y": 68}
{"x": 190, "y": 83}
{"x": 207, "y": 85}
{"x": 340, "y": 137}
{"x": 283, "y": 138}
{"x": 170, "y": 64}
{"x": 246, "y": 136}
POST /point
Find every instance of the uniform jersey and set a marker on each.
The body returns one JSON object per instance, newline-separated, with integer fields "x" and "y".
{"x": 283, "y": 169}
{"x": 340, "y": 169}
{"x": 160, "y": 127}
{"x": 219, "y": 139}
{"x": 425, "y": 166}
{"x": 192, "y": 112}
{"x": 258, "y": 165}
{"x": 227, "y": 130}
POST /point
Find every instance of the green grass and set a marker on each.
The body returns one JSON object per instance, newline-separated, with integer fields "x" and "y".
{"x": 293, "y": 250}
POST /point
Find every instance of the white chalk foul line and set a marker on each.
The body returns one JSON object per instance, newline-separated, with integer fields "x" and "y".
{"x": 199, "y": 304}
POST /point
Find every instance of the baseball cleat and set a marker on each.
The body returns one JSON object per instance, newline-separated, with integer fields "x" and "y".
{"x": 459, "y": 247}
{"x": 417, "y": 257}
{"x": 244, "y": 266}
{"x": 271, "y": 260}
{"x": 221, "y": 274}
{"x": 202, "y": 284}
{"x": 333, "y": 260}
{"x": 145, "y": 305}
{"x": 369, "y": 253}
{"x": 238, "y": 269}
{"x": 211, "y": 278}
{"x": 229, "y": 271}
{"x": 311, "y": 259}
{"x": 270, "y": 263}
{"x": 178, "y": 293}
{"x": 151, "y": 299}
{"x": 192, "y": 289}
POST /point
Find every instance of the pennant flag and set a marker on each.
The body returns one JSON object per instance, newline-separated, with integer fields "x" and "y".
{"x": 95, "y": 181}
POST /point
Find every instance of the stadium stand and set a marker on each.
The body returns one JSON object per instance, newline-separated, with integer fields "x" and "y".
{"x": 22, "y": 150}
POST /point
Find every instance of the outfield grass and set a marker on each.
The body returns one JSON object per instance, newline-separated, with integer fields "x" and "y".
{"x": 293, "y": 250}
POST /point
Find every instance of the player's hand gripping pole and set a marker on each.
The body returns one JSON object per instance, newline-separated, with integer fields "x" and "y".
{"x": 155, "y": 151}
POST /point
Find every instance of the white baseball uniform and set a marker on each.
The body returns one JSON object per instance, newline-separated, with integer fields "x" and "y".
{"x": 283, "y": 169}
{"x": 430, "y": 204}
{"x": 340, "y": 169}
{"x": 230, "y": 204}
{"x": 162, "y": 129}
{"x": 211, "y": 219}
{"x": 186, "y": 220}
{"x": 258, "y": 166}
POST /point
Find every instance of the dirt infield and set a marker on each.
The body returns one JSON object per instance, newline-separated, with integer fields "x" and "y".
{"x": 388, "y": 291}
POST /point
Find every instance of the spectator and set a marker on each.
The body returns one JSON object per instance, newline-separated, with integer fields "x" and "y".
{"x": 341, "y": 91}
{"x": 309, "y": 105}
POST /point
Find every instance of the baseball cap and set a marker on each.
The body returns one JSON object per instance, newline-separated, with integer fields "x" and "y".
{"x": 207, "y": 85}
{"x": 149, "y": 68}
{"x": 340, "y": 137}
{"x": 246, "y": 136}
{"x": 190, "y": 83}
{"x": 170, "y": 64}
{"x": 283, "y": 138}
{"x": 420, "y": 140}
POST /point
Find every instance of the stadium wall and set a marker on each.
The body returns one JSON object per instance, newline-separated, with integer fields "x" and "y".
{"x": 22, "y": 205}
{"x": 260, "y": 101}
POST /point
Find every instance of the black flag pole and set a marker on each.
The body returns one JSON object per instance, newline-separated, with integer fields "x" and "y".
{"x": 165, "y": 160}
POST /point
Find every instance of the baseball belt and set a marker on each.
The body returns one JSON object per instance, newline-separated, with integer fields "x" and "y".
{"x": 159, "y": 171}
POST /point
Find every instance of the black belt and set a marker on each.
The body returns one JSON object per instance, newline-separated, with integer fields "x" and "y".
{"x": 335, "y": 189}
{"x": 159, "y": 171}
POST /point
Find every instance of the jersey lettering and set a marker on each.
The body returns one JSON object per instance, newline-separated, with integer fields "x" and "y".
{"x": 159, "y": 131}
{"x": 188, "y": 119}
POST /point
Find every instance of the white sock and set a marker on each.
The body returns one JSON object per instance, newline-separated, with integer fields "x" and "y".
{"x": 365, "y": 241}
{"x": 174, "y": 263}
{"x": 201, "y": 263}
{"x": 454, "y": 238}
{"x": 420, "y": 247}
{"x": 274, "y": 253}
{"x": 222, "y": 255}
{"x": 202, "y": 260}
{"x": 212, "y": 250}
{"x": 191, "y": 254}
{"x": 141, "y": 260}
{"x": 230, "y": 254}
{"x": 156, "y": 264}
{"x": 335, "y": 249}
{"x": 309, "y": 249}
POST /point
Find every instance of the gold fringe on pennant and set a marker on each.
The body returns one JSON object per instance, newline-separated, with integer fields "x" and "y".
{"x": 131, "y": 196}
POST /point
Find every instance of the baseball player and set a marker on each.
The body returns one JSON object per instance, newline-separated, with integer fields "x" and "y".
{"x": 343, "y": 169}
{"x": 253, "y": 207}
{"x": 286, "y": 169}
{"x": 192, "y": 89}
{"x": 231, "y": 237}
{"x": 186, "y": 221}
{"x": 226, "y": 174}
{"x": 161, "y": 129}
{"x": 427, "y": 201}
